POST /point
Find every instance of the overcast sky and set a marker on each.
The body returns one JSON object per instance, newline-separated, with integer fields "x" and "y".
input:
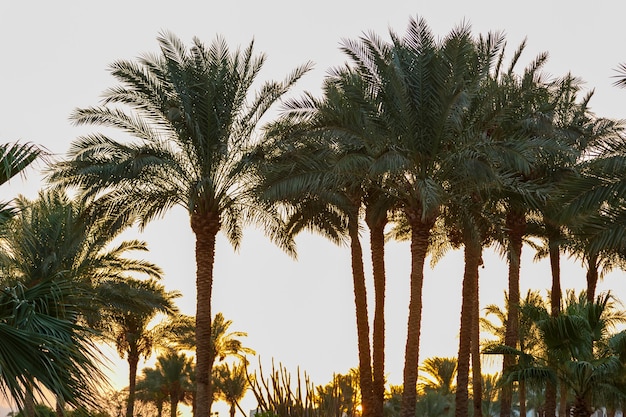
{"x": 301, "y": 313}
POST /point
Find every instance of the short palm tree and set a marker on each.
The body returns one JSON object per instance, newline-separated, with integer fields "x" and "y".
{"x": 150, "y": 389}
{"x": 438, "y": 375}
{"x": 127, "y": 309}
{"x": 231, "y": 384}
{"x": 192, "y": 118}
{"x": 575, "y": 353}
{"x": 175, "y": 370}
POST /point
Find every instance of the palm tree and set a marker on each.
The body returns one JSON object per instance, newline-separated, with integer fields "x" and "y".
{"x": 439, "y": 375}
{"x": 129, "y": 307}
{"x": 193, "y": 121}
{"x": 150, "y": 389}
{"x": 43, "y": 346}
{"x": 55, "y": 241}
{"x": 231, "y": 384}
{"x": 527, "y": 333}
{"x": 418, "y": 100}
{"x": 575, "y": 350}
{"x": 175, "y": 369}
{"x": 318, "y": 168}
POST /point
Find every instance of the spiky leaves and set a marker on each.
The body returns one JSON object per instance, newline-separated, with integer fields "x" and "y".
{"x": 192, "y": 121}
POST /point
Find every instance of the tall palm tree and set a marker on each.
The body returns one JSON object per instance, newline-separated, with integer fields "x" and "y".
{"x": 320, "y": 170}
{"x": 418, "y": 99}
{"x": 192, "y": 119}
{"x": 129, "y": 307}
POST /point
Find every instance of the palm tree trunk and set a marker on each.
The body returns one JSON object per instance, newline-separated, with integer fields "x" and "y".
{"x": 563, "y": 411}
{"x": 205, "y": 228}
{"x": 173, "y": 404}
{"x": 555, "y": 268}
{"x": 477, "y": 377}
{"x": 581, "y": 408}
{"x": 377, "y": 248}
{"x": 555, "y": 309}
{"x": 420, "y": 233}
{"x": 29, "y": 401}
{"x": 470, "y": 299}
{"x": 362, "y": 321}
{"x": 133, "y": 361}
{"x": 516, "y": 225}
{"x": 592, "y": 277}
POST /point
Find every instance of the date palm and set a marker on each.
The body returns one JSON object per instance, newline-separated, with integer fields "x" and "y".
{"x": 150, "y": 389}
{"x": 56, "y": 238}
{"x": 318, "y": 168}
{"x": 192, "y": 117}
{"x": 175, "y": 370}
{"x": 419, "y": 85}
{"x": 128, "y": 307}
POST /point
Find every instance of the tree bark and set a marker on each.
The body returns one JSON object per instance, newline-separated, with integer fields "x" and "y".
{"x": 133, "y": 361}
{"x": 205, "y": 228}
{"x": 420, "y": 233}
{"x": 555, "y": 309}
{"x": 377, "y": 248}
{"x": 516, "y": 226}
{"x": 470, "y": 298}
{"x": 362, "y": 321}
{"x": 477, "y": 377}
{"x": 592, "y": 277}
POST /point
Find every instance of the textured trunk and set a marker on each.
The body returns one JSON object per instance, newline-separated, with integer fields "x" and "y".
{"x": 205, "y": 229}
{"x": 231, "y": 410}
{"x": 470, "y": 299}
{"x": 516, "y": 226}
{"x": 377, "y": 245}
{"x": 581, "y": 408}
{"x": 592, "y": 277}
{"x": 477, "y": 378}
{"x": 563, "y": 411}
{"x": 555, "y": 268}
{"x": 133, "y": 361}
{"x": 362, "y": 321}
{"x": 555, "y": 309}
{"x": 420, "y": 233}
{"x": 29, "y": 401}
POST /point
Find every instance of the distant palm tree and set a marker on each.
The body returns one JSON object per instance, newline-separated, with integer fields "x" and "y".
{"x": 175, "y": 370}
{"x": 150, "y": 389}
{"x": 193, "y": 120}
{"x": 126, "y": 313}
{"x": 439, "y": 375}
{"x": 231, "y": 384}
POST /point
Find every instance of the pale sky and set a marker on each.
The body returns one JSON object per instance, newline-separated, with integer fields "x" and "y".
{"x": 301, "y": 313}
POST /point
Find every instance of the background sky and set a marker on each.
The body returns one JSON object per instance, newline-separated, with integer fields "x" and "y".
{"x": 55, "y": 57}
